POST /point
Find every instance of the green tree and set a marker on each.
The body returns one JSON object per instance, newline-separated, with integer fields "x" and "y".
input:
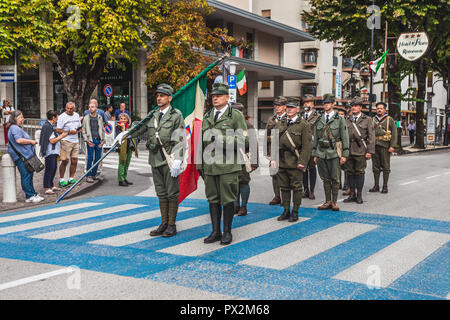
{"x": 82, "y": 36}
{"x": 346, "y": 22}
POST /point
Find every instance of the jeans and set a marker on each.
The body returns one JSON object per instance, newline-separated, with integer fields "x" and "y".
{"x": 50, "y": 170}
{"x": 26, "y": 179}
{"x": 94, "y": 154}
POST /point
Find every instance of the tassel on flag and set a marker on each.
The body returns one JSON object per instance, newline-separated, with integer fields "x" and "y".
{"x": 375, "y": 65}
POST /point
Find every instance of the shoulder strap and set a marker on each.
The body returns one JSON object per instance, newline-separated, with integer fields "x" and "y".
{"x": 292, "y": 144}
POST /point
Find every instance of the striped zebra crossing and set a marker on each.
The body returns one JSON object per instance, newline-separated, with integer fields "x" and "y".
{"x": 323, "y": 255}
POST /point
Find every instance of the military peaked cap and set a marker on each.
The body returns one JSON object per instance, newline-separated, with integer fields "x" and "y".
{"x": 220, "y": 89}
{"x": 164, "y": 88}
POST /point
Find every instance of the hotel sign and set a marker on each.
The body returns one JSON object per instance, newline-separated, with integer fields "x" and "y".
{"x": 412, "y": 45}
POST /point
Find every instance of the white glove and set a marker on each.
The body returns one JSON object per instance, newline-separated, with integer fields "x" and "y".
{"x": 119, "y": 137}
{"x": 176, "y": 168}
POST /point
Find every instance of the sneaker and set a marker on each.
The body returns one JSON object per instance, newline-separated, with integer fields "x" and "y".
{"x": 90, "y": 180}
{"x": 56, "y": 189}
{"x": 72, "y": 181}
{"x": 63, "y": 183}
{"x": 39, "y": 197}
{"x": 34, "y": 199}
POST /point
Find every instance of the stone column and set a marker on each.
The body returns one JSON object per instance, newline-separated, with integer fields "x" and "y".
{"x": 252, "y": 97}
{"x": 45, "y": 87}
{"x": 278, "y": 87}
{"x": 140, "y": 101}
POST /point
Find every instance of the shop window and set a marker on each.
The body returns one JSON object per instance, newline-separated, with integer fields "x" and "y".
{"x": 265, "y": 84}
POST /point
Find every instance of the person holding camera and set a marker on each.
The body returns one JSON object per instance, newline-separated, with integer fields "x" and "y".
{"x": 70, "y": 145}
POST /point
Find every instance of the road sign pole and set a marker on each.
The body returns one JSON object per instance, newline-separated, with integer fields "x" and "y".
{"x": 16, "y": 104}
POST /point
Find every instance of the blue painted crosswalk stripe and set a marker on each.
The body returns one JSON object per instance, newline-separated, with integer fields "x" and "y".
{"x": 325, "y": 255}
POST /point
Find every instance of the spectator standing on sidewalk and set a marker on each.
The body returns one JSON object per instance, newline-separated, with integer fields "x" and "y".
{"x": 70, "y": 146}
{"x": 94, "y": 136}
{"x": 50, "y": 149}
{"x": 412, "y": 132}
{"x": 125, "y": 150}
{"x": 122, "y": 109}
{"x": 6, "y": 113}
{"x": 22, "y": 146}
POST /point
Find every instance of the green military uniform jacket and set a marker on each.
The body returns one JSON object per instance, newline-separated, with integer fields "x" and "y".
{"x": 172, "y": 120}
{"x": 327, "y": 134}
{"x": 230, "y": 120}
{"x": 271, "y": 123}
{"x": 384, "y": 128}
{"x": 300, "y": 133}
{"x": 365, "y": 127}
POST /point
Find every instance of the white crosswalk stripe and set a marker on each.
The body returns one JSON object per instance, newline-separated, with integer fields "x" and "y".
{"x": 396, "y": 259}
{"x": 305, "y": 248}
{"x": 76, "y": 231}
{"x": 69, "y": 218}
{"x": 48, "y": 211}
{"x": 143, "y": 234}
{"x": 197, "y": 247}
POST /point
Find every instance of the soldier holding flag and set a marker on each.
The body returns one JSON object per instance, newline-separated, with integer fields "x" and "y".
{"x": 165, "y": 166}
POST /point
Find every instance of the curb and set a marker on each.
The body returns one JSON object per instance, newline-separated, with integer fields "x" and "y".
{"x": 407, "y": 152}
{"x": 49, "y": 199}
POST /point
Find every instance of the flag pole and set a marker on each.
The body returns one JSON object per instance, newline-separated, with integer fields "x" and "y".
{"x": 87, "y": 172}
{"x": 385, "y": 63}
{"x": 371, "y": 59}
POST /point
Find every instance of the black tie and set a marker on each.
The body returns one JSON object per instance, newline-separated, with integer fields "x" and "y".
{"x": 161, "y": 114}
{"x": 216, "y": 116}
{"x": 327, "y": 119}
{"x": 306, "y": 117}
{"x": 289, "y": 122}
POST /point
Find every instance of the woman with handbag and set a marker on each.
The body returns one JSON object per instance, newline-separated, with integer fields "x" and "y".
{"x": 21, "y": 149}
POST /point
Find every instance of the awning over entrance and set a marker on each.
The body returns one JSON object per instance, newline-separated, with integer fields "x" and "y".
{"x": 244, "y": 18}
{"x": 266, "y": 71}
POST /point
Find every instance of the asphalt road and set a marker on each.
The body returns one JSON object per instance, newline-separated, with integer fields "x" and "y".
{"x": 416, "y": 206}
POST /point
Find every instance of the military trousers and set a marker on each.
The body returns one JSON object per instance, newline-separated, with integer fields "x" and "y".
{"x": 329, "y": 170}
{"x": 222, "y": 188}
{"x": 166, "y": 186}
{"x": 290, "y": 179}
{"x": 330, "y": 173}
{"x": 381, "y": 160}
{"x": 355, "y": 165}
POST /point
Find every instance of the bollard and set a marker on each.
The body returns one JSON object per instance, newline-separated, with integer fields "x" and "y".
{"x": 9, "y": 179}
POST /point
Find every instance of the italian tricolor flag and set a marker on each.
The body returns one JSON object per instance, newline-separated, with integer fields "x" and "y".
{"x": 375, "y": 65}
{"x": 190, "y": 100}
{"x": 241, "y": 82}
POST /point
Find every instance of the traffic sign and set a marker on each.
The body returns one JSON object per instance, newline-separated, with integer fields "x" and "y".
{"x": 7, "y": 73}
{"x": 232, "y": 81}
{"x": 108, "y": 90}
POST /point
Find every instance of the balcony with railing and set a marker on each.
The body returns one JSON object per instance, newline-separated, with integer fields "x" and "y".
{"x": 350, "y": 65}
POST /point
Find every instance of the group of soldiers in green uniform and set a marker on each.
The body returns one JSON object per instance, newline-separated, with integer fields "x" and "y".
{"x": 338, "y": 143}
{"x": 305, "y": 141}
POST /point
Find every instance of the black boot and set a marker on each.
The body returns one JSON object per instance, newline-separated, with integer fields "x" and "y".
{"x": 128, "y": 182}
{"x": 162, "y": 227}
{"x": 359, "y": 187}
{"x": 228, "y": 214}
{"x": 286, "y": 201}
{"x": 170, "y": 231}
{"x": 215, "y": 212}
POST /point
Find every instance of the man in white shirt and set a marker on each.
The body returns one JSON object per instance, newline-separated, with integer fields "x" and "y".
{"x": 69, "y": 121}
